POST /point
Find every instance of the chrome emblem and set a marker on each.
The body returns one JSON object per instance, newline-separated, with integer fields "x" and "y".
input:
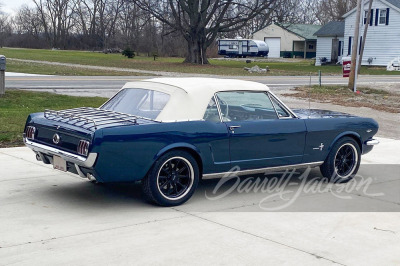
{"x": 56, "y": 138}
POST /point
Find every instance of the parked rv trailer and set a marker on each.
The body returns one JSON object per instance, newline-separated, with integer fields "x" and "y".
{"x": 242, "y": 48}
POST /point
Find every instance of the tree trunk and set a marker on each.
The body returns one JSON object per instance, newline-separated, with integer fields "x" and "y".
{"x": 196, "y": 50}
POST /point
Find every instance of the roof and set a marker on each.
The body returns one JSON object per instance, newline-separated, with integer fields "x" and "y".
{"x": 189, "y": 97}
{"x": 394, "y": 3}
{"x": 333, "y": 28}
{"x": 305, "y": 31}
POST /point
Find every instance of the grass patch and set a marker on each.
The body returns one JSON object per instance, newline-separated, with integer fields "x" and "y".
{"x": 33, "y": 68}
{"x": 174, "y": 64}
{"x": 367, "y": 97}
{"x": 16, "y": 105}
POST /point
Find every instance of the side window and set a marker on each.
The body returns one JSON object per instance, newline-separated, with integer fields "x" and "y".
{"x": 211, "y": 113}
{"x": 245, "y": 106}
{"x": 280, "y": 110}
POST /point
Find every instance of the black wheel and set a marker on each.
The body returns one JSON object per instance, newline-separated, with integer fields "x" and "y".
{"x": 343, "y": 161}
{"x": 172, "y": 180}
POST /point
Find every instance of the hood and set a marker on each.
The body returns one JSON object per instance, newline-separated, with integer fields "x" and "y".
{"x": 317, "y": 113}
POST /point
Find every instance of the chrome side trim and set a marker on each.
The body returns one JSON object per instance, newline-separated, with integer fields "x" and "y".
{"x": 262, "y": 170}
{"x": 372, "y": 142}
{"x": 70, "y": 157}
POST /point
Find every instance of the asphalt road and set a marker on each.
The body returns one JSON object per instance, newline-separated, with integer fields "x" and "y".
{"x": 116, "y": 82}
{"x": 49, "y": 217}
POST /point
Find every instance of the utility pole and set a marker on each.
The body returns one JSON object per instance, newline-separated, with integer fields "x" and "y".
{"x": 354, "y": 52}
{"x": 368, "y": 20}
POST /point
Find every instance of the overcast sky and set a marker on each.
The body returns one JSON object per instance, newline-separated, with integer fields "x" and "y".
{"x": 11, "y": 6}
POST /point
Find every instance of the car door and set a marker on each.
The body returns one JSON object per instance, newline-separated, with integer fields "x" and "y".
{"x": 262, "y": 133}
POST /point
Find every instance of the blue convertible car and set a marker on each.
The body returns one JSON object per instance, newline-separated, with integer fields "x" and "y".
{"x": 170, "y": 132}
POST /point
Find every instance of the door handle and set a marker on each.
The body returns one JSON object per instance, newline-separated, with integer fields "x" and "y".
{"x": 232, "y": 128}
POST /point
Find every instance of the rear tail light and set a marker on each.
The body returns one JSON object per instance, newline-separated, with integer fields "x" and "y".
{"x": 83, "y": 147}
{"x": 30, "y": 132}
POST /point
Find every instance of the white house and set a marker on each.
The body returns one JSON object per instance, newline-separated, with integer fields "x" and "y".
{"x": 289, "y": 40}
{"x": 330, "y": 41}
{"x": 383, "y": 36}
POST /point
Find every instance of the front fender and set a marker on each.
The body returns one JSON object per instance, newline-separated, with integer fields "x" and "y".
{"x": 353, "y": 134}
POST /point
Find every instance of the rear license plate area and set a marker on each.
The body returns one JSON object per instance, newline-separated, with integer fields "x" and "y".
{"x": 59, "y": 163}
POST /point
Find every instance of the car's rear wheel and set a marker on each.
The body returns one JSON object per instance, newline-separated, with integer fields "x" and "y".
{"x": 343, "y": 161}
{"x": 172, "y": 179}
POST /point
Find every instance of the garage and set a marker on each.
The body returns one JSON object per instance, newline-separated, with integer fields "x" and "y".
{"x": 274, "y": 44}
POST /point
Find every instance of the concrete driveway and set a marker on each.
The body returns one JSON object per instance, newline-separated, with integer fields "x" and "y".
{"x": 53, "y": 218}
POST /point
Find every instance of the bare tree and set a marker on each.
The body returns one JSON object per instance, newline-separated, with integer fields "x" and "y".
{"x": 5, "y": 27}
{"x": 200, "y": 21}
{"x": 57, "y": 17}
{"x": 333, "y": 10}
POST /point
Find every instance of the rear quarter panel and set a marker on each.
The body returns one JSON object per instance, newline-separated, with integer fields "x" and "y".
{"x": 127, "y": 153}
{"x": 327, "y": 131}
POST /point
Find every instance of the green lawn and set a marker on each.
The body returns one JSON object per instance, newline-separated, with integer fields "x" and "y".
{"x": 172, "y": 64}
{"x": 33, "y": 68}
{"x": 16, "y": 105}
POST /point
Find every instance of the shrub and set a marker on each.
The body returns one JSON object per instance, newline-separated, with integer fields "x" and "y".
{"x": 128, "y": 53}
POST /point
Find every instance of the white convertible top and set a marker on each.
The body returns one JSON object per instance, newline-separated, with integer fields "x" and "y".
{"x": 189, "y": 97}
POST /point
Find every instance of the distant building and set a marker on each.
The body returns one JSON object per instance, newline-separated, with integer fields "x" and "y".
{"x": 289, "y": 40}
{"x": 330, "y": 42}
{"x": 382, "y": 43}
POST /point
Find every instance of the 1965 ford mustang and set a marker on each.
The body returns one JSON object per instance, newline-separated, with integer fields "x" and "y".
{"x": 170, "y": 132}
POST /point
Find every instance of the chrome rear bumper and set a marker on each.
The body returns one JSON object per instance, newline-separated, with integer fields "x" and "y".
{"x": 70, "y": 157}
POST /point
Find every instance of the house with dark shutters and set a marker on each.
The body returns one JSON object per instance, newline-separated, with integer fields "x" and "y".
{"x": 330, "y": 42}
{"x": 383, "y": 37}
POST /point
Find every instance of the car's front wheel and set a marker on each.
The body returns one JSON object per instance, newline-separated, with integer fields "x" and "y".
{"x": 343, "y": 161}
{"x": 172, "y": 180}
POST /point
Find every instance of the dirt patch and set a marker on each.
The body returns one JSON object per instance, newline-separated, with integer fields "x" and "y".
{"x": 382, "y": 100}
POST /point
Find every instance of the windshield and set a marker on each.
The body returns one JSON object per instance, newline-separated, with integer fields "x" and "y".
{"x": 139, "y": 102}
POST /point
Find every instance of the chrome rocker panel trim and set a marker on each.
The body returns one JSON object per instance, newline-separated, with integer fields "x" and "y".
{"x": 70, "y": 157}
{"x": 262, "y": 170}
{"x": 372, "y": 142}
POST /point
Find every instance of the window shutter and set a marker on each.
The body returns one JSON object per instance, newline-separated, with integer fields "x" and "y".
{"x": 359, "y": 48}
{"x": 340, "y": 49}
{"x": 377, "y": 17}
{"x": 372, "y": 17}
{"x": 387, "y": 16}
{"x": 349, "y": 48}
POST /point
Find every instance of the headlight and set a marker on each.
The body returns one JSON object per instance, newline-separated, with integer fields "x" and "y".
{"x": 83, "y": 147}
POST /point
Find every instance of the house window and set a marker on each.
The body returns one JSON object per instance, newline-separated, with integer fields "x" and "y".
{"x": 382, "y": 17}
{"x": 366, "y": 16}
{"x": 311, "y": 46}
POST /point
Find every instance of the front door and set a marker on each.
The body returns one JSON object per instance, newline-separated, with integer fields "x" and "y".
{"x": 261, "y": 132}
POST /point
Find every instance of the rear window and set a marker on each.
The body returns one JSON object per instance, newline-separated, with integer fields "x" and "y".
{"x": 139, "y": 102}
